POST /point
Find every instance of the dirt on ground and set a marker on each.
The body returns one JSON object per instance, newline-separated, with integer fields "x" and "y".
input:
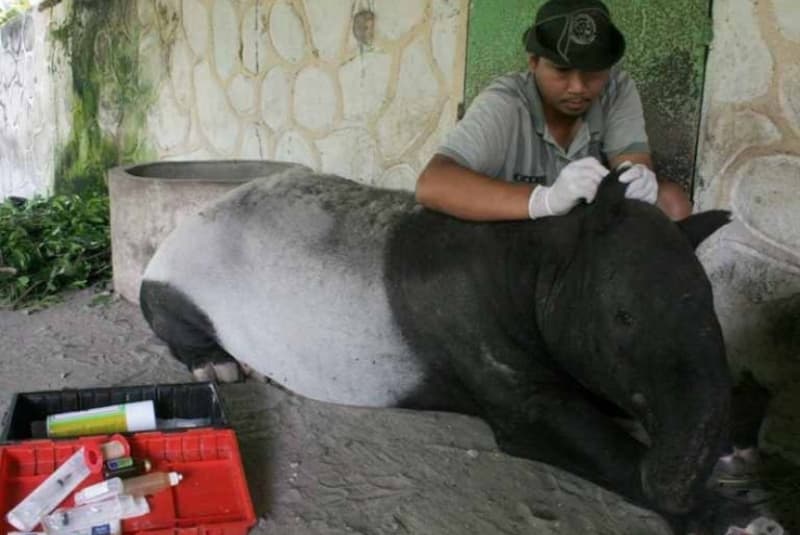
{"x": 318, "y": 468}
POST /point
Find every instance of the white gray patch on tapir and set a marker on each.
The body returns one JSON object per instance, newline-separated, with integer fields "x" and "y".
{"x": 296, "y": 308}
{"x": 551, "y": 330}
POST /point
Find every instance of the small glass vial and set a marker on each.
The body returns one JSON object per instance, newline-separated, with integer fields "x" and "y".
{"x": 117, "y": 447}
{"x": 125, "y": 467}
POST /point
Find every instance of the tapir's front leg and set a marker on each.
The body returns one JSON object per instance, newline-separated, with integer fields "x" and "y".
{"x": 559, "y": 425}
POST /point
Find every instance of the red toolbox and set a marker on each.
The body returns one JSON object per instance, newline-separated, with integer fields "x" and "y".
{"x": 211, "y": 499}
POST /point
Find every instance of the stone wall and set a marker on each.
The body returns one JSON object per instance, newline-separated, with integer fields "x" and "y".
{"x": 31, "y": 110}
{"x": 219, "y": 79}
{"x": 750, "y": 163}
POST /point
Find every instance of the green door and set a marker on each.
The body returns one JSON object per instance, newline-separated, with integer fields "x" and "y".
{"x": 667, "y": 45}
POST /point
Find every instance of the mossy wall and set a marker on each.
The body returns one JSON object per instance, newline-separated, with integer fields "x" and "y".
{"x": 667, "y": 43}
{"x": 233, "y": 79}
{"x": 13, "y": 9}
{"x": 110, "y": 99}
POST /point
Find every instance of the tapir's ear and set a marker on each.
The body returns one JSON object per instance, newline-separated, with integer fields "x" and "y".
{"x": 607, "y": 204}
{"x": 700, "y": 226}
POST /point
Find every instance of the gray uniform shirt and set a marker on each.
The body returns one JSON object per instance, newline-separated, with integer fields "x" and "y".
{"x": 504, "y": 135}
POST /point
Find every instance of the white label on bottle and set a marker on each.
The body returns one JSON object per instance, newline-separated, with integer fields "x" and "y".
{"x": 89, "y": 493}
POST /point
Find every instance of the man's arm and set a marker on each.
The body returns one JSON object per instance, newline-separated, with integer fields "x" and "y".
{"x": 446, "y": 186}
{"x": 672, "y": 200}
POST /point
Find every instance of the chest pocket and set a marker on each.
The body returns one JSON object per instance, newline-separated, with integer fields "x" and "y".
{"x": 531, "y": 161}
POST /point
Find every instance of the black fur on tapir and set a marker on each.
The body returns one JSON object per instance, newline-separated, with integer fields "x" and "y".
{"x": 550, "y": 330}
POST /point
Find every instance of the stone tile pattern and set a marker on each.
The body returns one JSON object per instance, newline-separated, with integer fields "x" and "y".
{"x": 265, "y": 79}
{"x": 749, "y": 162}
{"x": 31, "y": 113}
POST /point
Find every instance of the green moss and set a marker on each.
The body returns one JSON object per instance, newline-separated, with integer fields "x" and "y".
{"x": 16, "y": 8}
{"x": 102, "y": 48}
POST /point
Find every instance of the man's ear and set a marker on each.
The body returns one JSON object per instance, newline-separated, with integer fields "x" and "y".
{"x": 700, "y": 226}
{"x": 533, "y": 61}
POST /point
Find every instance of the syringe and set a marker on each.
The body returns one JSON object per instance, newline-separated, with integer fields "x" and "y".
{"x": 93, "y": 514}
{"x": 56, "y": 487}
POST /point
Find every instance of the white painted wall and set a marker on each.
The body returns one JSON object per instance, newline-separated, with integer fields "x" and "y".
{"x": 34, "y": 101}
{"x": 749, "y": 162}
{"x": 267, "y": 79}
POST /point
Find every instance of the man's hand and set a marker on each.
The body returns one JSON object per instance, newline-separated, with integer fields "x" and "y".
{"x": 641, "y": 181}
{"x": 578, "y": 180}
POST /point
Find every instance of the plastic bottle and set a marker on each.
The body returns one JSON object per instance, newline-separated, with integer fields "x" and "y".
{"x": 126, "y": 417}
{"x": 56, "y": 487}
{"x": 135, "y": 486}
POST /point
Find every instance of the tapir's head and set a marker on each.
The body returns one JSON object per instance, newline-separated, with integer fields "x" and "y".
{"x": 630, "y": 313}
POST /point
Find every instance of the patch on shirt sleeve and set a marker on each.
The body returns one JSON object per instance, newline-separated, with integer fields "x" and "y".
{"x": 530, "y": 179}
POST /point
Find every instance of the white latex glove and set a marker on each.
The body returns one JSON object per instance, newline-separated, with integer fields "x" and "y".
{"x": 641, "y": 181}
{"x": 578, "y": 180}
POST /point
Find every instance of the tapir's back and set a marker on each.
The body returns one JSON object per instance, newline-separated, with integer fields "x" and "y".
{"x": 289, "y": 270}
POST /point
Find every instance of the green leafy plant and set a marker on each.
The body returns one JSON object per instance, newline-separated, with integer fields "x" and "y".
{"x": 48, "y": 245}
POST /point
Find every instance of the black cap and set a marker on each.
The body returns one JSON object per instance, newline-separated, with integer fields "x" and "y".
{"x": 577, "y": 34}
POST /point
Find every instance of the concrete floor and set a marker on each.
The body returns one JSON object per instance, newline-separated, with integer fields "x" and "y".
{"x": 316, "y": 468}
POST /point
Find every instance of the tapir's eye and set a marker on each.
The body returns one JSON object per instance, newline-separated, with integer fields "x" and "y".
{"x": 623, "y": 317}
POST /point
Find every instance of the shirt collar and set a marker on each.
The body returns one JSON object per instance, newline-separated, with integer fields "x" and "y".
{"x": 535, "y": 101}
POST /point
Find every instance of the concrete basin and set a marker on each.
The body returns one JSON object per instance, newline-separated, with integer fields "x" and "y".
{"x": 148, "y": 200}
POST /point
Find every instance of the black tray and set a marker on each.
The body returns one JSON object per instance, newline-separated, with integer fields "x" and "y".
{"x": 185, "y": 400}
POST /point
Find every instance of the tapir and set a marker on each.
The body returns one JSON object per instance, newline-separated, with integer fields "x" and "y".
{"x": 551, "y": 330}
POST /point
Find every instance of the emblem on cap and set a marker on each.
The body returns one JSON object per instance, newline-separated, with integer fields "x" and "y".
{"x": 583, "y": 29}
{"x": 575, "y": 34}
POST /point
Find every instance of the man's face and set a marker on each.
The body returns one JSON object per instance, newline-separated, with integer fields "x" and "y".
{"x": 568, "y": 91}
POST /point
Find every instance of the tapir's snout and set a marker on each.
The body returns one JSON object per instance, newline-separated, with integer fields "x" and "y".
{"x": 676, "y": 468}
{"x": 668, "y": 494}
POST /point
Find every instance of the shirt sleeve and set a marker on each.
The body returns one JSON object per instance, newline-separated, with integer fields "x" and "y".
{"x": 480, "y": 140}
{"x": 624, "y": 125}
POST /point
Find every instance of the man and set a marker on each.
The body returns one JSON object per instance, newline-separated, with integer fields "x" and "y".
{"x": 551, "y": 133}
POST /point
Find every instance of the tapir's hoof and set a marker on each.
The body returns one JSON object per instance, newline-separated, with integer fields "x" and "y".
{"x": 223, "y": 372}
{"x": 251, "y": 373}
{"x": 764, "y": 526}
